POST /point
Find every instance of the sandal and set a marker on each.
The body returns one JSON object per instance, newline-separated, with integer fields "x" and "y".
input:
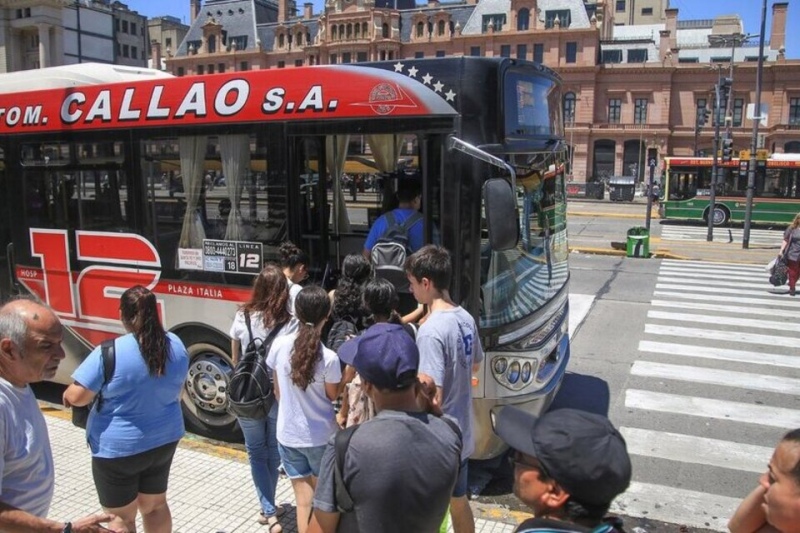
{"x": 273, "y": 525}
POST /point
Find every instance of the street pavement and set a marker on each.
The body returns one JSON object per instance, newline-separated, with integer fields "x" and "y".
{"x": 714, "y": 385}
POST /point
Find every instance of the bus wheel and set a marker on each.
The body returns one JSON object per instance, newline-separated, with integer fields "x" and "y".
{"x": 721, "y": 215}
{"x": 204, "y": 398}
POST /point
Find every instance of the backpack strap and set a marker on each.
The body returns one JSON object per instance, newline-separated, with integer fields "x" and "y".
{"x": 344, "y": 502}
{"x": 410, "y": 221}
{"x": 109, "y": 363}
{"x": 391, "y": 221}
{"x": 247, "y": 323}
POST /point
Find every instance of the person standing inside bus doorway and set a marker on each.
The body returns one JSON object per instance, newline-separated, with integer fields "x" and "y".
{"x": 266, "y": 310}
{"x": 409, "y": 198}
{"x": 134, "y": 436}
{"x": 790, "y": 250}
{"x": 450, "y": 351}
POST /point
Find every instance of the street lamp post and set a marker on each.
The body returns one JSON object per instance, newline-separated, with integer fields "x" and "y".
{"x": 751, "y": 172}
{"x": 712, "y": 186}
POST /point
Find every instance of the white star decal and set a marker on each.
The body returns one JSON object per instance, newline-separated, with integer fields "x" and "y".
{"x": 398, "y": 67}
{"x": 426, "y": 79}
{"x": 450, "y": 96}
{"x": 413, "y": 72}
{"x": 438, "y": 86}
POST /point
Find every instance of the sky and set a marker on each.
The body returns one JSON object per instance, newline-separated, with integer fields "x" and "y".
{"x": 749, "y": 10}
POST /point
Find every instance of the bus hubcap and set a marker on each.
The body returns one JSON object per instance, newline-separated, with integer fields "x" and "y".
{"x": 207, "y": 383}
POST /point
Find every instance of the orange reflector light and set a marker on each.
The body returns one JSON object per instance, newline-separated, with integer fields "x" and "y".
{"x": 474, "y": 381}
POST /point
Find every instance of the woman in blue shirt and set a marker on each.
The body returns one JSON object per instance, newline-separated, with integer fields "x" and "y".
{"x": 134, "y": 435}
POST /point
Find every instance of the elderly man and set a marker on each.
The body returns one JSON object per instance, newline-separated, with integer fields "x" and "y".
{"x": 569, "y": 466}
{"x": 30, "y": 351}
{"x": 774, "y": 506}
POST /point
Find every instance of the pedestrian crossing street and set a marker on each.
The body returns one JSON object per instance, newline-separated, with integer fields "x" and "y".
{"x": 761, "y": 237}
{"x": 715, "y": 384}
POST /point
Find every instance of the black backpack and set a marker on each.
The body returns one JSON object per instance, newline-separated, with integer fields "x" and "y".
{"x": 80, "y": 415}
{"x": 250, "y": 392}
{"x": 342, "y": 330}
{"x": 389, "y": 254}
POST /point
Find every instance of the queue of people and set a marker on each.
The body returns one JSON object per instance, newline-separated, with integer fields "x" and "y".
{"x": 401, "y": 464}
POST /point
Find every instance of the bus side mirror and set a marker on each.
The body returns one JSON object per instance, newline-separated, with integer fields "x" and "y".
{"x": 502, "y": 221}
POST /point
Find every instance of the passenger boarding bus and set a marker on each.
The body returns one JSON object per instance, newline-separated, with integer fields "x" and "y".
{"x": 776, "y": 196}
{"x": 188, "y": 185}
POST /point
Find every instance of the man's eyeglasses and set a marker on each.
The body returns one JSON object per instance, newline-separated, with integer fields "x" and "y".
{"x": 518, "y": 460}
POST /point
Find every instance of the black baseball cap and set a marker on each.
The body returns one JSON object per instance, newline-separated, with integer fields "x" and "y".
{"x": 384, "y": 355}
{"x": 581, "y": 451}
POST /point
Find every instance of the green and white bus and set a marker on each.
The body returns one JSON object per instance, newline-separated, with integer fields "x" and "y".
{"x": 687, "y": 180}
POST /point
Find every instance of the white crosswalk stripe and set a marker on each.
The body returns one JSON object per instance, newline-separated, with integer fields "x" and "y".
{"x": 673, "y": 232}
{"x": 717, "y": 368}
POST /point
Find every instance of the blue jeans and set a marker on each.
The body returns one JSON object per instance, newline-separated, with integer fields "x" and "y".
{"x": 262, "y": 450}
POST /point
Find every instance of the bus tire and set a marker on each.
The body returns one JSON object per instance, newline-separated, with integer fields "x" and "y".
{"x": 204, "y": 396}
{"x": 721, "y": 215}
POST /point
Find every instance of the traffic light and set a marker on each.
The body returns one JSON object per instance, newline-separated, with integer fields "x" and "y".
{"x": 727, "y": 150}
{"x": 703, "y": 114}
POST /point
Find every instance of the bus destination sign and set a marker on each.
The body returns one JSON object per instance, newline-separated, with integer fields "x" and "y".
{"x": 232, "y": 256}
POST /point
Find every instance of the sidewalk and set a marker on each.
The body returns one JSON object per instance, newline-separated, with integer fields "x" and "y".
{"x": 210, "y": 487}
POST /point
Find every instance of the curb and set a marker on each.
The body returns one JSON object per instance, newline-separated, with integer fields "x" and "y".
{"x": 608, "y": 215}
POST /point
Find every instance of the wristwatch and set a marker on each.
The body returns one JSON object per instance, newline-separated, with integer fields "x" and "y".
{"x": 67, "y": 527}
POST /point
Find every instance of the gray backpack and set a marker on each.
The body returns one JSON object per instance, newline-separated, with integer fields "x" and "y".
{"x": 389, "y": 254}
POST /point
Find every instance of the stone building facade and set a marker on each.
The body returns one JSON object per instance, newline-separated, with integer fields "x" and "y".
{"x": 631, "y": 92}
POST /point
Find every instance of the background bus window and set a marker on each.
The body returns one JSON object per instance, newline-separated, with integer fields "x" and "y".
{"x": 212, "y": 187}
{"x": 682, "y": 185}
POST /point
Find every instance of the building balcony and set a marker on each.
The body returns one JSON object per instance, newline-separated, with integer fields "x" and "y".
{"x": 630, "y": 127}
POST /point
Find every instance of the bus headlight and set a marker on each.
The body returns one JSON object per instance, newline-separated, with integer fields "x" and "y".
{"x": 513, "y": 372}
{"x": 500, "y": 365}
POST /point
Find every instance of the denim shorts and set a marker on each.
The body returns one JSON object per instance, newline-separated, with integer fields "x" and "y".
{"x": 301, "y": 462}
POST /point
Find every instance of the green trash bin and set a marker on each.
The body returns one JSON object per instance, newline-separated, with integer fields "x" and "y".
{"x": 638, "y": 242}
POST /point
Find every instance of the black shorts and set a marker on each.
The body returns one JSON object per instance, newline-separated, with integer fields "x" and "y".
{"x": 119, "y": 481}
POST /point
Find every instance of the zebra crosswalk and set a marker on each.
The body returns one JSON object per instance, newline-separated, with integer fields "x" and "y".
{"x": 715, "y": 384}
{"x": 761, "y": 237}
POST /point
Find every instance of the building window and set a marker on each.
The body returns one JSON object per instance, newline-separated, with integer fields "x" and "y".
{"x": 688, "y": 60}
{"x": 523, "y": 19}
{"x": 440, "y": 28}
{"x": 27, "y": 12}
{"x": 116, "y": 25}
{"x": 124, "y": 26}
{"x": 385, "y": 31}
{"x": 505, "y": 50}
{"x": 19, "y": 13}
{"x": 611, "y": 56}
{"x": 640, "y": 111}
{"x": 420, "y": 29}
{"x": 569, "y": 108}
{"x": 475, "y": 51}
{"x": 168, "y": 42}
{"x": 298, "y": 62}
{"x": 497, "y": 22}
{"x": 700, "y": 106}
{"x": 614, "y": 110}
{"x": 794, "y": 111}
{"x": 522, "y": 51}
{"x": 243, "y": 66}
{"x": 211, "y": 69}
{"x": 638, "y": 55}
{"x": 133, "y": 28}
{"x": 564, "y": 17}
{"x": 126, "y": 52}
{"x": 738, "y": 106}
{"x": 333, "y": 59}
{"x": 180, "y": 71}
{"x": 572, "y": 52}
{"x": 440, "y": 53}
{"x": 620, "y": 6}
{"x": 281, "y": 64}
{"x": 361, "y": 57}
{"x": 134, "y": 52}
{"x": 538, "y": 52}
{"x": 419, "y": 55}
{"x": 200, "y": 70}
{"x": 346, "y": 57}
{"x": 647, "y": 11}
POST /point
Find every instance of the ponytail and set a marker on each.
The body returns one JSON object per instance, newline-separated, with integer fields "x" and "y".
{"x": 312, "y": 307}
{"x": 140, "y": 314}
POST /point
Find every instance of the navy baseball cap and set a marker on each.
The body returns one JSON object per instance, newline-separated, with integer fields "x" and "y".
{"x": 384, "y": 354}
{"x": 581, "y": 451}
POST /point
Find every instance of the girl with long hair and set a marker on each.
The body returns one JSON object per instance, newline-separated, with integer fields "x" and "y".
{"x": 306, "y": 380}
{"x": 790, "y": 250}
{"x": 348, "y": 300}
{"x": 294, "y": 263}
{"x": 266, "y": 310}
{"x": 133, "y": 436}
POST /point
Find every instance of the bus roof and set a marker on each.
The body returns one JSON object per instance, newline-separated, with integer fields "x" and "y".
{"x": 74, "y": 76}
{"x": 302, "y": 93}
{"x": 785, "y": 157}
